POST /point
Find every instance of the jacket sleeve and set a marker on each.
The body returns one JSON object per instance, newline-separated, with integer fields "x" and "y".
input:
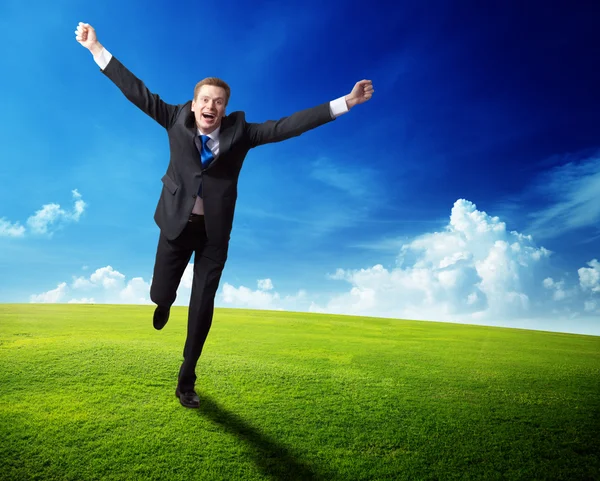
{"x": 135, "y": 90}
{"x": 287, "y": 127}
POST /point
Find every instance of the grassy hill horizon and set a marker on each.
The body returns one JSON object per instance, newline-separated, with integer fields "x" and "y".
{"x": 88, "y": 393}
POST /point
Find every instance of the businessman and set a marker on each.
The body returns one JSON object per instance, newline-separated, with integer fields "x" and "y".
{"x": 195, "y": 210}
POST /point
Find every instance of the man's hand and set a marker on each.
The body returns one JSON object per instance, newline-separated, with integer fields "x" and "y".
{"x": 86, "y": 36}
{"x": 361, "y": 92}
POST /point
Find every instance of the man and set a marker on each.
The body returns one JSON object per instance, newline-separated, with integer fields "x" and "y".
{"x": 196, "y": 207}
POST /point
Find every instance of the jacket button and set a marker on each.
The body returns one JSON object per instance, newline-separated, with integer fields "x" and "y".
{"x": 194, "y": 196}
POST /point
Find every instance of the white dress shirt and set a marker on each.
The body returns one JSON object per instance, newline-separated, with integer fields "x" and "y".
{"x": 337, "y": 107}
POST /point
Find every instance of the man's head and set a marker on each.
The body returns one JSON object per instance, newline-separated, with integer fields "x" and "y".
{"x": 211, "y": 96}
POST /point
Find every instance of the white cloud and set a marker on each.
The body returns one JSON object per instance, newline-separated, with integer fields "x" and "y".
{"x": 11, "y": 230}
{"x": 44, "y": 217}
{"x": 81, "y": 283}
{"x": 104, "y": 286}
{"x": 83, "y": 300}
{"x": 108, "y": 278}
{"x": 52, "y": 296}
{"x": 572, "y": 189}
{"x": 474, "y": 269}
{"x": 135, "y": 292}
{"x": 45, "y": 221}
{"x": 265, "y": 284}
{"x": 79, "y": 206}
{"x": 589, "y": 277}
{"x": 262, "y": 298}
{"x": 53, "y": 216}
{"x": 107, "y": 285}
{"x": 245, "y": 297}
{"x": 557, "y": 287}
{"x": 352, "y": 180}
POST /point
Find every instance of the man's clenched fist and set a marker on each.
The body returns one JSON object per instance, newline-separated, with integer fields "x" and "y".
{"x": 86, "y": 36}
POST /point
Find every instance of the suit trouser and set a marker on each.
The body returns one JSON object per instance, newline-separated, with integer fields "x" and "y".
{"x": 172, "y": 257}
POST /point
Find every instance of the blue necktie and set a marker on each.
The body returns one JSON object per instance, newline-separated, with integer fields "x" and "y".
{"x": 206, "y": 155}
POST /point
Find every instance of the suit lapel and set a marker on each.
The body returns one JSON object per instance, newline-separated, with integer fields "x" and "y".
{"x": 225, "y": 136}
{"x": 190, "y": 123}
{"x": 225, "y": 139}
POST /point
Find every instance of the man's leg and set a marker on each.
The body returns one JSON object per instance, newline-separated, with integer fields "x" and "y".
{"x": 171, "y": 259}
{"x": 208, "y": 266}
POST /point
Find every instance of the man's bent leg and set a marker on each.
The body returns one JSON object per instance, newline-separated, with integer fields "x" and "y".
{"x": 171, "y": 259}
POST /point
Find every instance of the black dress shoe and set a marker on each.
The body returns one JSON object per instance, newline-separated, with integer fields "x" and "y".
{"x": 161, "y": 316}
{"x": 189, "y": 399}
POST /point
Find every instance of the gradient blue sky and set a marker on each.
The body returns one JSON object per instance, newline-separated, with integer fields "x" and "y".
{"x": 483, "y": 130}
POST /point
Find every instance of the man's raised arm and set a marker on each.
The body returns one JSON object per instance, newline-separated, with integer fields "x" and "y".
{"x": 131, "y": 86}
{"x": 308, "y": 119}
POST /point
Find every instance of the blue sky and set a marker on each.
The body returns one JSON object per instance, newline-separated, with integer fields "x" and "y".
{"x": 466, "y": 190}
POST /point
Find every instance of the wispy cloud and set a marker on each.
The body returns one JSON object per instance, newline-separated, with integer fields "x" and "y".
{"x": 47, "y": 220}
{"x": 573, "y": 192}
{"x": 384, "y": 245}
{"x": 340, "y": 197}
{"x": 351, "y": 180}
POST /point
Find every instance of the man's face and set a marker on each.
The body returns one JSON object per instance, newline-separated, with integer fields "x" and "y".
{"x": 209, "y": 107}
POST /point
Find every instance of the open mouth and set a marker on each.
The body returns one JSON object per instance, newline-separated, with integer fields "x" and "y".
{"x": 208, "y": 116}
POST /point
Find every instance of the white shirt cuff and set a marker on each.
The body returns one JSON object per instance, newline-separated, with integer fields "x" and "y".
{"x": 103, "y": 58}
{"x": 338, "y": 107}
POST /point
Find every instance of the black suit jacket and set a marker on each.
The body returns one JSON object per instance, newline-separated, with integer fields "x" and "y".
{"x": 185, "y": 173}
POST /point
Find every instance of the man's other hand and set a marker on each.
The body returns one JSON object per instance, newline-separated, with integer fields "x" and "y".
{"x": 361, "y": 92}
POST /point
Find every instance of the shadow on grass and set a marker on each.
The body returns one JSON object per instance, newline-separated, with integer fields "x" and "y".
{"x": 274, "y": 460}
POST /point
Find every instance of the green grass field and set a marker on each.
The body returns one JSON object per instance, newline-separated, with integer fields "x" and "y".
{"x": 87, "y": 392}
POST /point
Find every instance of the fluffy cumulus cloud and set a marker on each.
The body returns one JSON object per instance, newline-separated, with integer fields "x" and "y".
{"x": 107, "y": 285}
{"x": 47, "y": 220}
{"x": 51, "y": 296}
{"x": 557, "y": 288}
{"x": 264, "y": 297}
{"x": 104, "y": 285}
{"x": 7, "y": 229}
{"x": 589, "y": 277}
{"x": 265, "y": 284}
{"x": 575, "y": 298}
{"x": 474, "y": 270}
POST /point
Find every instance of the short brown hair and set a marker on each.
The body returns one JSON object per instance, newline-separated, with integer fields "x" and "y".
{"x": 215, "y": 82}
